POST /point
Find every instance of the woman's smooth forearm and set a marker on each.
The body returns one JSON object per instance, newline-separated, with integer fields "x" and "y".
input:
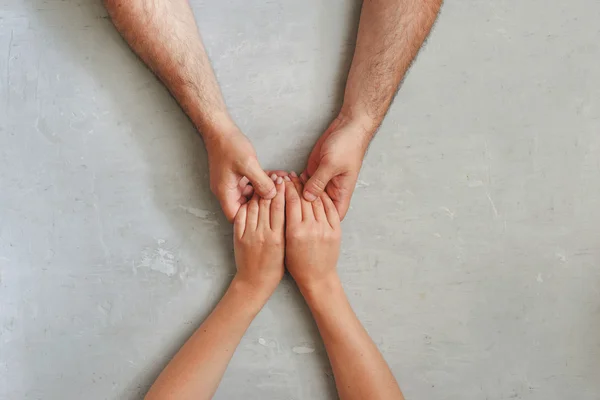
{"x": 359, "y": 368}
{"x": 197, "y": 369}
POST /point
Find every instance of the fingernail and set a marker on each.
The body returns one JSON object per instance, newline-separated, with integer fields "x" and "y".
{"x": 309, "y": 196}
{"x": 293, "y": 174}
{"x": 279, "y": 180}
{"x": 274, "y": 177}
{"x": 303, "y": 176}
{"x": 287, "y": 178}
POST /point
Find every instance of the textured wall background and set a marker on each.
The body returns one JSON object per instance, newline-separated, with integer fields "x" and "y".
{"x": 471, "y": 252}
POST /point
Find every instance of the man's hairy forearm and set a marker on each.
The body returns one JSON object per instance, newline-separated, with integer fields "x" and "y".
{"x": 389, "y": 37}
{"x": 164, "y": 35}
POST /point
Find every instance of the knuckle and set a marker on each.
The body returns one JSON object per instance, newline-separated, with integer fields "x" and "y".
{"x": 243, "y": 241}
{"x": 277, "y": 239}
{"x": 328, "y": 234}
{"x": 244, "y": 162}
{"x": 293, "y": 199}
{"x": 335, "y": 234}
{"x": 318, "y": 183}
{"x": 277, "y": 205}
{"x": 260, "y": 185}
{"x": 296, "y": 233}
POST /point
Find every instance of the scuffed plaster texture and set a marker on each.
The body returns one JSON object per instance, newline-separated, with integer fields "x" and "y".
{"x": 471, "y": 252}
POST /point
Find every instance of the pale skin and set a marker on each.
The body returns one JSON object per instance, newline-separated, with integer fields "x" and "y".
{"x": 165, "y": 36}
{"x": 310, "y": 238}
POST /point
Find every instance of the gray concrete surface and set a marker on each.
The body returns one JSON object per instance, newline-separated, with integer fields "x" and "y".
{"x": 471, "y": 252}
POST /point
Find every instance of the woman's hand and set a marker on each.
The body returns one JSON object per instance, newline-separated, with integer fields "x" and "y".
{"x": 259, "y": 241}
{"x": 313, "y": 236}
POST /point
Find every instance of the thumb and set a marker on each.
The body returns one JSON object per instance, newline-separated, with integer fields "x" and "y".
{"x": 263, "y": 185}
{"x": 318, "y": 182}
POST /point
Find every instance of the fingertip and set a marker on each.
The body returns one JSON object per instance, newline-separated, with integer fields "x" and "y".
{"x": 280, "y": 187}
{"x": 243, "y": 182}
{"x": 247, "y": 191}
{"x": 279, "y": 180}
{"x": 270, "y": 194}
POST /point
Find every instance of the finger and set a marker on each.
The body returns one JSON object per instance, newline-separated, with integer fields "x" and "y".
{"x": 253, "y": 210}
{"x": 278, "y": 206}
{"x": 307, "y": 211}
{"x": 248, "y": 191}
{"x": 319, "y": 210}
{"x": 244, "y": 181}
{"x": 318, "y": 182}
{"x": 331, "y": 211}
{"x": 304, "y": 177}
{"x": 293, "y": 209}
{"x": 264, "y": 214}
{"x": 262, "y": 183}
{"x": 239, "y": 223}
{"x": 277, "y": 172}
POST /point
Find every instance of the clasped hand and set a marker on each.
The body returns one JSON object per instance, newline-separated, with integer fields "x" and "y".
{"x": 307, "y": 234}
{"x": 332, "y": 167}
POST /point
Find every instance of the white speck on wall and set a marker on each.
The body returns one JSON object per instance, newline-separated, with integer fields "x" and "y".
{"x": 561, "y": 256}
{"x": 447, "y": 210}
{"x": 361, "y": 184}
{"x": 474, "y": 184}
{"x": 272, "y": 344}
{"x": 159, "y": 259}
{"x": 204, "y": 215}
{"x": 539, "y": 278}
{"x": 303, "y": 349}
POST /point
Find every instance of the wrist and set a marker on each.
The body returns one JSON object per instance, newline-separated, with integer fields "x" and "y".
{"x": 360, "y": 119}
{"x": 317, "y": 290}
{"x": 255, "y": 291}
{"x": 218, "y": 131}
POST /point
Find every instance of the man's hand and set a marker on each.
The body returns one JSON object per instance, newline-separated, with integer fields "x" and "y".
{"x": 335, "y": 162}
{"x": 235, "y": 174}
{"x": 312, "y": 237}
{"x": 163, "y": 33}
{"x": 259, "y": 241}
